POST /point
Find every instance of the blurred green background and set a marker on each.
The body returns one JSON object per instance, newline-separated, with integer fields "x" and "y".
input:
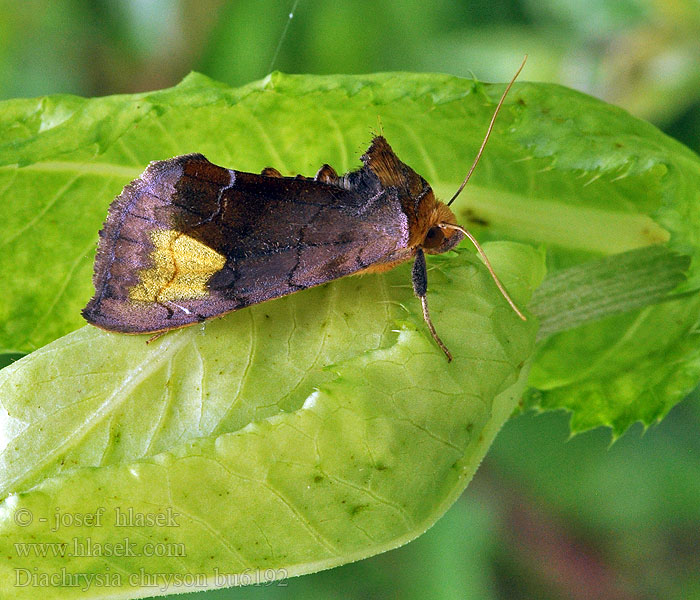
{"x": 546, "y": 516}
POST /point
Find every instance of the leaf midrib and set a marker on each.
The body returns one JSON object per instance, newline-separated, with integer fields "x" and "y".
{"x": 551, "y": 222}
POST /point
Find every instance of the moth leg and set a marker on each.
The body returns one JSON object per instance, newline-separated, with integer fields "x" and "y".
{"x": 270, "y": 172}
{"x": 155, "y": 336}
{"x": 326, "y": 174}
{"x": 419, "y": 276}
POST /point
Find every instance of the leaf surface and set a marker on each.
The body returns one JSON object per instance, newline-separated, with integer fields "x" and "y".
{"x": 284, "y": 440}
{"x": 563, "y": 171}
{"x": 233, "y": 422}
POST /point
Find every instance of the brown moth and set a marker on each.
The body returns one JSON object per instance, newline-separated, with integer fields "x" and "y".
{"x": 189, "y": 240}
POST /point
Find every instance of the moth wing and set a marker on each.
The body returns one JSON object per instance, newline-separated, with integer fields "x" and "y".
{"x": 189, "y": 240}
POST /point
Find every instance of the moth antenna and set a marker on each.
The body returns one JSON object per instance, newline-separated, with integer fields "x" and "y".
{"x": 488, "y": 131}
{"x": 481, "y": 252}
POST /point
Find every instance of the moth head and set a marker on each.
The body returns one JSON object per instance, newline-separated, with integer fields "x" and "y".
{"x": 443, "y": 233}
{"x": 438, "y": 238}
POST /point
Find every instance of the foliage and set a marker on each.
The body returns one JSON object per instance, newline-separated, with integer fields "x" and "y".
{"x": 575, "y": 168}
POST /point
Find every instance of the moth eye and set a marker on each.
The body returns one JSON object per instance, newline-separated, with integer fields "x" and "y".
{"x": 433, "y": 238}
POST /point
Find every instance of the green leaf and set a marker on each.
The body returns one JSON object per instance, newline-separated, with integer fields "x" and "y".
{"x": 63, "y": 159}
{"x": 651, "y": 357}
{"x": 586, "y": 180}
{"x": 656, "y": 365}
{"x": 562, "y": 170}
{"x": 612, "y": 285}
{"x": 282, "y": 438}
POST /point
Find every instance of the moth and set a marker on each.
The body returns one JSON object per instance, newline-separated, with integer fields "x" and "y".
{"x": 189, "y": 240}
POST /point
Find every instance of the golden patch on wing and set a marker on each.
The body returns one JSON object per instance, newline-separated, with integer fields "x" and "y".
{"x": 181, "y": 268}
